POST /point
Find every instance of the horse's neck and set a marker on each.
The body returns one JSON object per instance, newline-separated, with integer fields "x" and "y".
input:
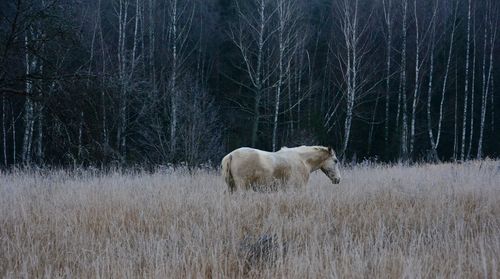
{"x": 312, "y": 158}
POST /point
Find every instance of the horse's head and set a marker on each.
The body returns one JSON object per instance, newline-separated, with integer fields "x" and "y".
{"x": 331, "y": 167}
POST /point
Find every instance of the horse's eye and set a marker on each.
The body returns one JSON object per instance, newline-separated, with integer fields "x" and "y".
{"x": 335, "y": 161}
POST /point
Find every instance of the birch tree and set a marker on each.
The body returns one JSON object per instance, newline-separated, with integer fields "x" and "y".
{"x": 181, "y": 19}
{"x": 173, "y": 77}
{"x": 435, "y": 141}
{"x": 419, "y": 41}
{"x": 122, "y": 70}
{"x": 127, "y": 61}
{"x": 417, "y": 78}
{"x": 251, "y": 36}
{"x": 387, "y": 5}
{"x": 402, "y": 90}
{"x": 30, "y": 66}
{"x": 433, "y": 155}
{"x": 466, "y": 90}
{"x": 455, "y": 120}
{"x": 4, "y": 132}
{"x": 287, "y": 19}
{"x": 353, "y": 31}
{"x": 490, "y": 28}
{"x": 473, "y": 86}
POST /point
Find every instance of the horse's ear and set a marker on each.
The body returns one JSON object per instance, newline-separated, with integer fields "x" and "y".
{"x": 330, "y": 150}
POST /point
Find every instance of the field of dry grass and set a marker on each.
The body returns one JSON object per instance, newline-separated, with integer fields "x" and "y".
{"x": 381, "y": 221}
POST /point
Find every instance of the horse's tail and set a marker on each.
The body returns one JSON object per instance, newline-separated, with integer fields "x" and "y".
{"x": 226, "y": 173}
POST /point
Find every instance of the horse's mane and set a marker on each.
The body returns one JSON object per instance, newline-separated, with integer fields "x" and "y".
{"x": 304, "y": 148}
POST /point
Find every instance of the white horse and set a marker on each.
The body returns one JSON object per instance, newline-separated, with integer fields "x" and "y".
{"x": 248, "y": 168}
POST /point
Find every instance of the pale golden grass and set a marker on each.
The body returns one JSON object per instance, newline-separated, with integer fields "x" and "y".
{"x": 380, "y": 222}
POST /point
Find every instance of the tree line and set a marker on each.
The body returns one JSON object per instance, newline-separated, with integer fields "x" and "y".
{"x": 150, "y": 82}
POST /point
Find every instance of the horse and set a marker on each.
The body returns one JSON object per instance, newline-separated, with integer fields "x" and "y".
{"x": 248, "y": 168}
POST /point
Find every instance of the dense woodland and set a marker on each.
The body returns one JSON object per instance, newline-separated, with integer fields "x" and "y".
{"x": 148, "y": 82}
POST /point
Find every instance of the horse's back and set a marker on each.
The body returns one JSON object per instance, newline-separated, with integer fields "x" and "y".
{"x": 250, "y": 159}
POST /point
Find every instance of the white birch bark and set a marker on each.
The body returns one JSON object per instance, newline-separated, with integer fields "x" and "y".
{"x": 281, "y": 50}
{"x": 429, "y": 91}
{"x": 80, "y": 136}
{"x": 473, "y": 86}
{"x": 445, "y": 80}
{"x": 4, "y": 132}
{"x": 28, "y": 107}
{"x": 14, "y": 139}
{"x": 493, "y": 27}
{"x": 152, "y": 36}
{"x": 122, "y": 62}
{"x": 250, "y": 39}
{"x": 455, "y": 147}
{"x": 39, "y": 141}
{"x": 388, "y": 22}
{"x": 479, "y": 153}
{"x": 104, "y": 131}
{"x": 402, "y": 91}
{"x": 258, "y": 77}
{"x": 466, "y": 90}
{"x": 350, "y": 22}
{"x": 173, "y": 81}
{"x": 288, "y": 44}
{"x": 417, "y": 80}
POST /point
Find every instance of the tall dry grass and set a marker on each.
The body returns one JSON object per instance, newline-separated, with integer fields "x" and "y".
{"x": 386, "y": 222}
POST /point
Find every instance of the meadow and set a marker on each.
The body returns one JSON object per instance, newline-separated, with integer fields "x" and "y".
{"x": 381, "y": 221}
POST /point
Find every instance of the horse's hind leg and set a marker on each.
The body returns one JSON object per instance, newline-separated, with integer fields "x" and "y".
{"x": 239, "y": 184}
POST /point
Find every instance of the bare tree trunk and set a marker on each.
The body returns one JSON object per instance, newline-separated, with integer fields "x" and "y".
{"x": 105, "y": 139}
{"x": 173, "y": 81}
{"x": 151, "y": 29}
{"x": 353, "y": 35}
{"x": 483, "y": 98}
{"x": 276, "y": 107}
{"x": 473, "y": 85}
{"x": 466, "y": 90}
{"x": 14, "y": 139}
{"x": 404, "y": 128}
{"x": 89, "y": 71}
{"x": 122, "y": 65}
{"x": 39, "y": 105}
{"x": 350, "y": 104}
{"x": 372, "y": 124}
{"x": 493, "y": 26}
{"x": 133, "y": 62}
{"x": 253, "y": 58}
{"x": 298, "y": 77}
{"x": 4, "y": 133}
{"x": 290, "y": 108}
{"x": 258, "y": 78}
{"x": 455, "y": 130}
{"x": 417, "y": 81}
{"x": 80, "y": 136}
{"x": 28, "y": 107}
{"x": 349, "y": 31}
{"x": 282, "y": 14}
{"x": 39, "y": 142}
{"x": 429, "y": 93}
{"x": 287, "y": 34}
{"x": 492, "y": 104}
{"x": 388, "y": 22}
{"x": 443, "y": 90}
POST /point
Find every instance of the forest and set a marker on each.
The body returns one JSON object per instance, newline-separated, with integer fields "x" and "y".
{"x": 149, "y": 82}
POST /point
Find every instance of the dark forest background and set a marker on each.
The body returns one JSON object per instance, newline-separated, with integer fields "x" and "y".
{"x": 129, "y": 82}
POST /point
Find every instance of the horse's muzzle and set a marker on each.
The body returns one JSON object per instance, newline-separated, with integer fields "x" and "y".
{"x": 336, "y": 180}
